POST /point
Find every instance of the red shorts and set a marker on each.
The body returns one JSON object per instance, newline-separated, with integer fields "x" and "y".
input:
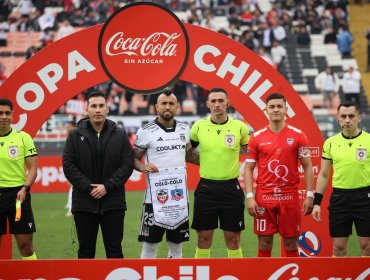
{"x": 282, "y": 218}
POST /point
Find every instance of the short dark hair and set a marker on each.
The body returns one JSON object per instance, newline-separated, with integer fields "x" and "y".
{"x": 349, "y": 104}
{"x": 218, "y": 90}
{"x": 73, "y": 123}
{"x": 96, "y": 94}
{"x": 6, "y": 102}
{"x": 275, "y": 95}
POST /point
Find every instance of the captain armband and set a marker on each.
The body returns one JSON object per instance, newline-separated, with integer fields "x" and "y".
{"x": 317, "y": 199}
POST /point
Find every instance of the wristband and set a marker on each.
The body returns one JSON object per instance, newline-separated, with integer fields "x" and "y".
{"x": 310, "y": 194}
{"x": 317, "y": 199}
{"x": 28, "y": 188}
{"x": 250, "y": 195}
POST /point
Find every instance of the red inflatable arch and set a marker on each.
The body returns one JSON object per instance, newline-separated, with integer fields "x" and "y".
{"x": 57, "y": 73}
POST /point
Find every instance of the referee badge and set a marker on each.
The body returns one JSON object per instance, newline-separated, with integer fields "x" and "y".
{"x": 229, "y": 140}
{"x": 13, "y": 151}
{"x": 361, "y": 154}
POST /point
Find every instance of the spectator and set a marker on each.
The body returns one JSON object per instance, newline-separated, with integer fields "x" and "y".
{"x": 327, "y": 83}
{"x": 25, "y": 7}
{"x": 4, "y": 28}
{"x": 351, "y": 85}
{"x": 265, "y": 55}
{"x": 344, "y": 42}
{"x": 278, "y": 54}
{"x": 330, "y": 36}
{"x": 303, "y": 37}
{"x": 65, "y": 29}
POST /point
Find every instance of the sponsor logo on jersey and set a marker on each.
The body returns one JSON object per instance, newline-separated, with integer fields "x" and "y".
{"x": 170, "y": 148}
{"x": 160, "y": 139}
{"x": 177, "y": 194}
{"x": 13, "y": 151}
{"x": 162, "y": 195}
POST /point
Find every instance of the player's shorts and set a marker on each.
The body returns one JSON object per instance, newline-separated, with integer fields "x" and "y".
{"x": 26, "y": 224}
{"x": 347, "y": 207}
{"x": 151, "y": 233}
{"x": 219, "y": 200}
{"x": 282, "y": 218}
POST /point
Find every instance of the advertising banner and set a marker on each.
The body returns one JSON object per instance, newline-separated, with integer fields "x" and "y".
{"x": 190, "y": 269}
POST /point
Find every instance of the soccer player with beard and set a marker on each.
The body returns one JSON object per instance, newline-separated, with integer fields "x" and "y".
{"x": 165, "y": 144}
{"x": 276, "y": 150}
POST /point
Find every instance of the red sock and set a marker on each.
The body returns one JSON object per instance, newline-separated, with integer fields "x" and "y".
{"x": 264, "y": 253}
{"x": 291, "y": 253}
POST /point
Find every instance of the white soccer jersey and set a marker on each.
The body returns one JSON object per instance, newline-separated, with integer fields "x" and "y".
{"x": 164, "y": 147}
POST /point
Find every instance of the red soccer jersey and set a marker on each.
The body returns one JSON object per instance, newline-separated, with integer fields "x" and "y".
{"x": 277, "y": 155}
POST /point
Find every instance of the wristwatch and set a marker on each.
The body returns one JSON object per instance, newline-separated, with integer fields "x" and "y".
{"x": 28, "y": 187}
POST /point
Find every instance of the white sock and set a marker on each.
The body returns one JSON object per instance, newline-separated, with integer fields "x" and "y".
{"x": 149, "y": 250}
{"x": 175, "y": 250}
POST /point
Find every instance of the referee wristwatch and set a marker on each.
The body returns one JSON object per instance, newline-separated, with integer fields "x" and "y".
{"x": 28, "y": 187}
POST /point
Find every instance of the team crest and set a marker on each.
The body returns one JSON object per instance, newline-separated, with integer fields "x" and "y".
{"x": 182, "y": 137}
{"x": 229, "y": 140}
{"x": 177, "y": 194}
{"x": 290, "y": 141}
{"x": 162, "y": 196}
{"x": 13, "y": 151}
{"x": 261, "y": 210}
{"x": 361, "y": 154}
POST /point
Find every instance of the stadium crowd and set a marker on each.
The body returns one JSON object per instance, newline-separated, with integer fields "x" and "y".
{"x": 263, "y": 26}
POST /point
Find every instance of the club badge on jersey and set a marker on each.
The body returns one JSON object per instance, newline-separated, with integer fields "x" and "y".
{"x": 13, "y": 151}
{"x": 361, "y": 154}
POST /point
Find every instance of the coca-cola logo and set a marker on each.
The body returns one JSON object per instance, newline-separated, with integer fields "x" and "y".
{"x": 143, "y": 47}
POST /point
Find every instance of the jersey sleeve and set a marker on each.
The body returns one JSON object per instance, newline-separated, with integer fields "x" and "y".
{"x": 303, "y": 150}
{"x": 29, "y": 146}
{"x": 245, "y": 135}
{"x": 142, "y": 141}
{"x": 326, "y": 149}
{"x": 194, "y": 132}
{"x": 252, "y": 150}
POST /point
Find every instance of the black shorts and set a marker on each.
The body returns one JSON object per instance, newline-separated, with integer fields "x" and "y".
{"x": 219, "y": 200}
{"x": 26, "y": 224}
{"x": 151, "y": 233}
{"x": 347, "y": 207}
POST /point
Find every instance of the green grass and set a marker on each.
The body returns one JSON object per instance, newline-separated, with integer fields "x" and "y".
{"x": 56, "y": 237}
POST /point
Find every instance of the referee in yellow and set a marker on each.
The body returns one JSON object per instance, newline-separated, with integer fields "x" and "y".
{"x": 219, "y": 199}
{"x": 347, "y": 153}
{"x": 17, "y": 151}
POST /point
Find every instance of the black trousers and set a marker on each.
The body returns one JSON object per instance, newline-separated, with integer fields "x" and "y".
{"x": 87, "y": 227}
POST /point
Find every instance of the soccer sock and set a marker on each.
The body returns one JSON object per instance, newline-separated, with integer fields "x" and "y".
{"x": 149, "y": 250}
{"x": 175, "y": 250}
{"x": 264, "y": 253}
{"x": 202, "y": 253}
{"x": 291, "y": 253}
{"x": 235, "y": 253}
{"x": 30, "y": 258}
